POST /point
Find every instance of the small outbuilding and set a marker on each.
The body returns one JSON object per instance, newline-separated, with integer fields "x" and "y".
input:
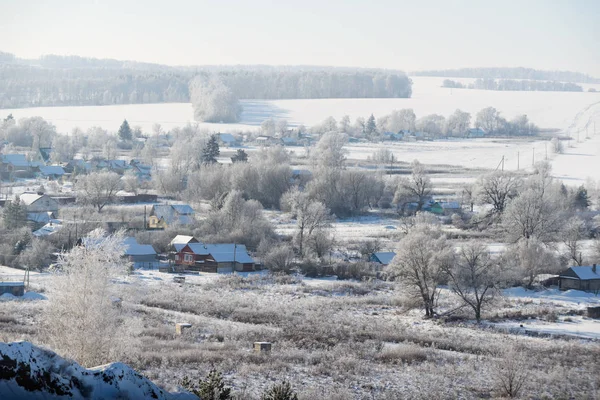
{"x": 14, "y": 288}
{"x": 585, "y": 278}
{"x": 383, "y": 257}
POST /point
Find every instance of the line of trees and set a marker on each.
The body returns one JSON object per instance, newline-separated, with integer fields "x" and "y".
{"x": 514, "y": 85}
{"x": 434, "y": 125}
{"x": 511, "y": 73}
{"x": 71, "y": 80}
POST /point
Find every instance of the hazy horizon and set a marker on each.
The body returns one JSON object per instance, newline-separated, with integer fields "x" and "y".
{"x": 393, "y": 35}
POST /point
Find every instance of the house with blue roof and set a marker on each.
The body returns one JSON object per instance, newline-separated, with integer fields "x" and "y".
{"x": 586, "y": 278}
{"x": 382, "y": 257}
{"x": 163, "y": 215}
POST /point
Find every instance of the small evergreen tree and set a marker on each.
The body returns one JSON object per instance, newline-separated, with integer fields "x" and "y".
{"x": 14, "y": 214}
{"x": 371, "y": 126}
{"x": 125, "y": 133}
{"x": 281, "y": 391}
{"x": 581, "y": 200}
{"x": 211, "y": 150}
{"x": 240, "y": 156}
{"x": 211, "y": 388}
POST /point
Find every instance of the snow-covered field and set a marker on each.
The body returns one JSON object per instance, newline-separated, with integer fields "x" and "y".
{"x": 547, "y": 109}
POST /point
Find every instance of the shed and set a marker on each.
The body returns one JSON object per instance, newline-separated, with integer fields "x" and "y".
{"x": 52, "y": 172}
{"x": 140, "y": 255}
{"x": 14, "y": 288}
{"x": 586, "y": 278}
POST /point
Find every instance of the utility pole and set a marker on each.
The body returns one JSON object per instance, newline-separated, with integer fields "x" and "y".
{"x": 546, "y": 149}
{"x": 533, "y": 157}
{"x": 502, "y": 163}
{"x": 518, "y": 160}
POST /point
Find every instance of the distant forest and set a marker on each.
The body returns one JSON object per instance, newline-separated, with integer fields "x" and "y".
{"x": 71, "y": 80}
{"x": 516, "y": 85}
{"x": 511, "y": 73}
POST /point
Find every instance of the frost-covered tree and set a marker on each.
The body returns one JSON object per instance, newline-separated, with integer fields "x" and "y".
{"x": 14, "y": 214}
{"x": 488, "y": 119}
{"x": 422, "y": 258}
{"x": 82, "y": 320}
{"x": 310, "y": 216}
{"x": 329, "y": 151}
{"x": 474, "y": 277}
{"x": 496, "y": 189}
{"x": 458, "y": 123}
{"x": 98, "y": 188}
{"x": 529, "y": 258}
{"x": 416, "y": 188}
{"x": 213, "y": 101}
{"x": 573, "y": 232}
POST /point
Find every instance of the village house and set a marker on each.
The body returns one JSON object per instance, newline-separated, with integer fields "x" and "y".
{"x": 162, "y": 216}
{"x": 383, "y": 257}
{"x": 475, "y": 133}
{"x": 40, "y": 207}
{"x": 17, "y": 166}
{"x": 585, "y": 278}
{"x": 51, "y": 172}
{"x": 216, "y": 258}
{"x": 227, "y": 139}
{"x": 140, "y": 255}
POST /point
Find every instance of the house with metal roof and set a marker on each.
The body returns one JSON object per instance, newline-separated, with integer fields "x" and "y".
{"x": 586, "y": 278}
{"x": 140, "y": 255}
{"x": 383, "y": 257}
{"x": 52, "y": 172}
{"x": 162, "y": 216}
{"x": 219, "y": 258}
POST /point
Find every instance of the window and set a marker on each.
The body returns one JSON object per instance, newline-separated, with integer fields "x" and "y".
{"x": 188, "y": 258}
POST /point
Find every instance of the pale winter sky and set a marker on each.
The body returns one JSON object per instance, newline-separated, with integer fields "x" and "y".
{"x": 409, "y": 35}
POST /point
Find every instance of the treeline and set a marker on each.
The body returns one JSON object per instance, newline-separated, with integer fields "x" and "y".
{"x": 70, "y": 80}
{"x": 30, "y": 86}
{"x": 511, "y": 73}
{"x": 215, "y": 96}
{"x": 515, "y": 85}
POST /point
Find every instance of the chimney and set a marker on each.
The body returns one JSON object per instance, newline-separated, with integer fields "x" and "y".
{"x": 594, "y": 268}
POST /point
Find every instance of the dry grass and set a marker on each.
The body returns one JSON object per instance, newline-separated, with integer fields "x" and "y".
{"x": 335, "y": 341}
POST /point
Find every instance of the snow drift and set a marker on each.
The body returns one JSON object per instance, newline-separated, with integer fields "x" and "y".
{"x": 30, "y": 372}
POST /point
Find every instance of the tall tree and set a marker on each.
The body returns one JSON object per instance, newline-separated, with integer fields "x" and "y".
{"x": 474, "y": 277}
{"x": 14, "y": 214}
{"x": 416, "y": 188}
{"x": 371, "y": 126}
{"x": 82, "y": 320}
{"x": 211, "y": 150}
{"x": 422, "y": 258}
{"x": 98, "y": 188}
{"x": 125, "y": 132}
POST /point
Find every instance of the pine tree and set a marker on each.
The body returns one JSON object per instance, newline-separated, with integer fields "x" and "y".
{"x": 211, "y": 388}
{"x": 240, "y": 156}
{"x": 581, "y": 200}
{"x": 371, "y": 126}
{"x": 125, "y": 131}
{"x": 14, "y": 214}
{"x": 211, "y": 150}
{"x": 281, "y": 391}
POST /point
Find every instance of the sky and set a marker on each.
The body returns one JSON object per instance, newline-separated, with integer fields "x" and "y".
{"x": 395, "y": 34}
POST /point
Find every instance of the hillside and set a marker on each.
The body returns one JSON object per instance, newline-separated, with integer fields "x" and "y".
{"x": 28, "y": 371}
